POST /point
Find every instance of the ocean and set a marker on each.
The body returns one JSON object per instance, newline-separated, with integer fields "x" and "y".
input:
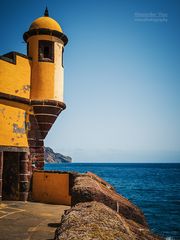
{"x": 155, "y": 188}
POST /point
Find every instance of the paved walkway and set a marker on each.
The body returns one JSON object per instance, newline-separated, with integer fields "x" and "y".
{"x": 29, "y": 220}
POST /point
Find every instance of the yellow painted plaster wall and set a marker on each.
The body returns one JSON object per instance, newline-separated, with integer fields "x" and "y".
{"x": 14, "y": 120}
{"x": 45, "y": 75}
{"x": 51, "y": 188}
{"x": 15, "y": 78}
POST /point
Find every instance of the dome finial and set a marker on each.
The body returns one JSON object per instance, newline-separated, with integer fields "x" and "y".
{"x": 46, "y": 13}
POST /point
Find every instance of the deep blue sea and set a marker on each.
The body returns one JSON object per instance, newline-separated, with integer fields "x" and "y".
{"x": 155, "y": 188}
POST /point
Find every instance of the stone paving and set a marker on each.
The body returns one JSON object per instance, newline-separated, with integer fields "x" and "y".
{"x": 29, "y": 220}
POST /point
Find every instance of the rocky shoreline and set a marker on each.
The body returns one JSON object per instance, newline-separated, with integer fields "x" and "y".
{"x": 99, "y": 213}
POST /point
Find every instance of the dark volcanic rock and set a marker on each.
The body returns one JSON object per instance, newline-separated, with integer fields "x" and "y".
{"x": 51, "y": 156}
{"x": 95, "y": 221}
{"x": 89, "y": 187}
{"x": 99, "y": 213}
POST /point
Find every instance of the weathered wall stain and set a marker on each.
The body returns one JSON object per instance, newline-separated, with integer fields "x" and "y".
{"x": 26, "y": 88}
{"x": 2, "y": 110}
{"x": 23, "y": 89}
{"x": 17, "y": 129}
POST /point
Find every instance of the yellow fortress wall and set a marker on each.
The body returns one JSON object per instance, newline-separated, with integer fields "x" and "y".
{"x": 31, "y": 98}
{"x": 14, "y": 121}
{"x": 51, "y": 187}
{"x": 15, "y": 77}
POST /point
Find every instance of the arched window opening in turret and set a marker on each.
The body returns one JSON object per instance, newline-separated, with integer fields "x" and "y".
{"x": 46, "y": 51}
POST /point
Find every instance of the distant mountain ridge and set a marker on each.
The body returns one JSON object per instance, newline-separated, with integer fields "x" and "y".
{"x": 52, "y": 157}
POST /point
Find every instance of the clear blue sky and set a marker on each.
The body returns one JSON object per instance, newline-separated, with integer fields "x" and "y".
{"x": 122, "y": 76}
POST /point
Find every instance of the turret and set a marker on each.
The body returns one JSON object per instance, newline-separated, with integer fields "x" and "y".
{"x": 45, "y": 45}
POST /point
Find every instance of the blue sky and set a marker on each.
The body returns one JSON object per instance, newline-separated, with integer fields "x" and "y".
{"x": 122, "y": 85}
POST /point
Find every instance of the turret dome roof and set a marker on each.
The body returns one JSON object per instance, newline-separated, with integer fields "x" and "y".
{"x": 45, "y": 26}
{"x": 45, "y": 22}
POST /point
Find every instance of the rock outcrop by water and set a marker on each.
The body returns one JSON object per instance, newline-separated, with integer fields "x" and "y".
{"x": 96, "y": 221}
{"x": 89, "y": 187}
{"x": 52, "y": 157}
{"x": 99, "y": 213}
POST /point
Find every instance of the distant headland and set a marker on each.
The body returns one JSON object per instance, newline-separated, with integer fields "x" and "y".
{"x": 52, "y": 157}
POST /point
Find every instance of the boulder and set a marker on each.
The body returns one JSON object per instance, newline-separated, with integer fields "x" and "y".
{"x": 96, "y": 221}
{"x": 89, "y": 187}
